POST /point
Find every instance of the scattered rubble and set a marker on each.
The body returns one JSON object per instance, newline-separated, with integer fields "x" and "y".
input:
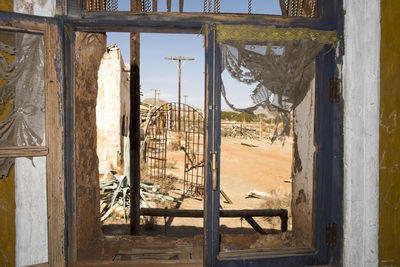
{"x": 115, "y": 194}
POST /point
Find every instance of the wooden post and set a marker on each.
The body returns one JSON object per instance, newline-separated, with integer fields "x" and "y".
{"x": 134, "y": 127}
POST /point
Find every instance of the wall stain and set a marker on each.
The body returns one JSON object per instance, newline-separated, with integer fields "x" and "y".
{"x": 301, "y": 198}
{"x": 297, "y": 165}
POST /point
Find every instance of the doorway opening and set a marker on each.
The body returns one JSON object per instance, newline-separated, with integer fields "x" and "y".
{"x": 171, "y": 134}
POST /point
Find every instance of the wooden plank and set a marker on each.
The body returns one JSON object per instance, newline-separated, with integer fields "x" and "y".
{"x": 134, "y": 130}
{"x": 23, "y": 22}
{"x": 266, "y": 252}
{"x": 223, "y": 213}
{"x": 255, "y": 225}
{"x": 23, "y": 151}
{"x": 389, "y": 136}
{"x": 184, "y": 22}
{"x": 55, "y": 141}
{"x": 143, "y": 263}
{"x": 40, "y": 265}
{"x": 88, "y": 52}
{"x": 228, "y": 200}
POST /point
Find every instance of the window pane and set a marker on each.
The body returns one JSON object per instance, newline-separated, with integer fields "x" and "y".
{"x": 22, "y": 101}
{"x": 30, "y": 211}
{"x": 267, "y": 148}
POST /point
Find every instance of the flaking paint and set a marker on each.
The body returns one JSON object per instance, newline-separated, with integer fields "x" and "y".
{"x": 303, "y": 169}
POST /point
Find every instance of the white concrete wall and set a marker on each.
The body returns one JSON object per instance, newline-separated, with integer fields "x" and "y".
{"x": 30, "y": 179}
{"x": 361, "y": 132}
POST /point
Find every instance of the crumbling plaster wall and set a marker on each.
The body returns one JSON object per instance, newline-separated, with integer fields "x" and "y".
{"x": 361, "y": 132}
{"x": 89, "y": 50}
{"x": 303, "y": 168}
{"x": 112, "y": 108}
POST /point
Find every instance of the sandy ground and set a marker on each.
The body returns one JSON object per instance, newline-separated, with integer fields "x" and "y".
{"x": 263, "y": 168}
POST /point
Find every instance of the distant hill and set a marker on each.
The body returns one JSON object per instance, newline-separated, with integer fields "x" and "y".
{"x": 150, "y": 101}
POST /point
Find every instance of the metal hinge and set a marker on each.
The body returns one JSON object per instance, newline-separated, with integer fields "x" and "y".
{"x": 331, "y": 235}
{"x": 210, "y": 107}
{"x": 334, "y": 90}
{"x": 214, "y": 173}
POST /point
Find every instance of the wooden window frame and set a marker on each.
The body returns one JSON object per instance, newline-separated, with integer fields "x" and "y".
{"x": 59, "y": 120}
{"x": 54, "y": 126}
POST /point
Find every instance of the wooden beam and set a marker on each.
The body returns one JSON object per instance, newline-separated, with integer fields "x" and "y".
{"x": 134, "y": 129}
{"x": 184, "y": 22}
{"x": 55, "y": 142}
{"x": 223, "y": 213}
{"x": 23, "y": 151}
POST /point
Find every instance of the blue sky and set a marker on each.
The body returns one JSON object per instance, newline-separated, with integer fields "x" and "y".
{"x": 158, "y": 73}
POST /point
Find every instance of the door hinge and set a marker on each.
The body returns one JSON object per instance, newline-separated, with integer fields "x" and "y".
{"x": 334, "y": 90}
{"x": 331, "y": 235}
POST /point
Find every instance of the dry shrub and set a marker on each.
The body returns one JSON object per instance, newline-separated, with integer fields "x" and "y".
{"x": 225, "y": 132}
{"x": 166, "y": 183}
{"x": 174, "y": 146}
{"x": 276, "y": 200}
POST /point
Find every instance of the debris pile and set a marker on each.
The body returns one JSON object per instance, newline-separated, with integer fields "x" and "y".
{"x": 115, "y": 194}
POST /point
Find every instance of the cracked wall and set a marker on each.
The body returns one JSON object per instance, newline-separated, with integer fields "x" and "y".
{"x": 303, "y": 168}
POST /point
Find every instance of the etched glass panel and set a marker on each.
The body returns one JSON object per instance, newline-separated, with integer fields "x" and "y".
{"x": 22, "y": 100}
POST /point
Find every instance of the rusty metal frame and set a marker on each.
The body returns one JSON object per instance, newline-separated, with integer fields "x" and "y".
{"x": 187, "y": 123}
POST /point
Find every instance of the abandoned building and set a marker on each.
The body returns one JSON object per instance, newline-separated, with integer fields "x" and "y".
{"x": 72, "y": 126}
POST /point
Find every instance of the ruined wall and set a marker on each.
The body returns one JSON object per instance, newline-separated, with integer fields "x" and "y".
{"x": 303, "y": 169}
{"x": 389, "y": 145}
{"x": 361, "y": 132}
{"x": 112, "y": 108}
{"x": 89, "y": 50}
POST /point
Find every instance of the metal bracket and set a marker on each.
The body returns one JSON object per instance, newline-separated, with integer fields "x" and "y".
{"x": 210, "y": 107}
{"x": 331, "y": 235}
{"x": 334, "y": 90}
{"x": 214, "y": 175}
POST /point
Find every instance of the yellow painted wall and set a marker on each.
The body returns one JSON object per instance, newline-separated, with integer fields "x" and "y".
{"x": 389, "y": 145}
{"x": 7, "y": 220}
{"x": 6, "y": 5}
{"x": 7, "y": 188}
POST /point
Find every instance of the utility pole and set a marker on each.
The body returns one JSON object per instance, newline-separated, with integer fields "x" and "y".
{"x": 179, "y": 59}
{"x": 155, "y": 96}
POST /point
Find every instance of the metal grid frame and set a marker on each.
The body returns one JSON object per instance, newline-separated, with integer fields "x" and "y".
{"x": 188, "y": 125}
